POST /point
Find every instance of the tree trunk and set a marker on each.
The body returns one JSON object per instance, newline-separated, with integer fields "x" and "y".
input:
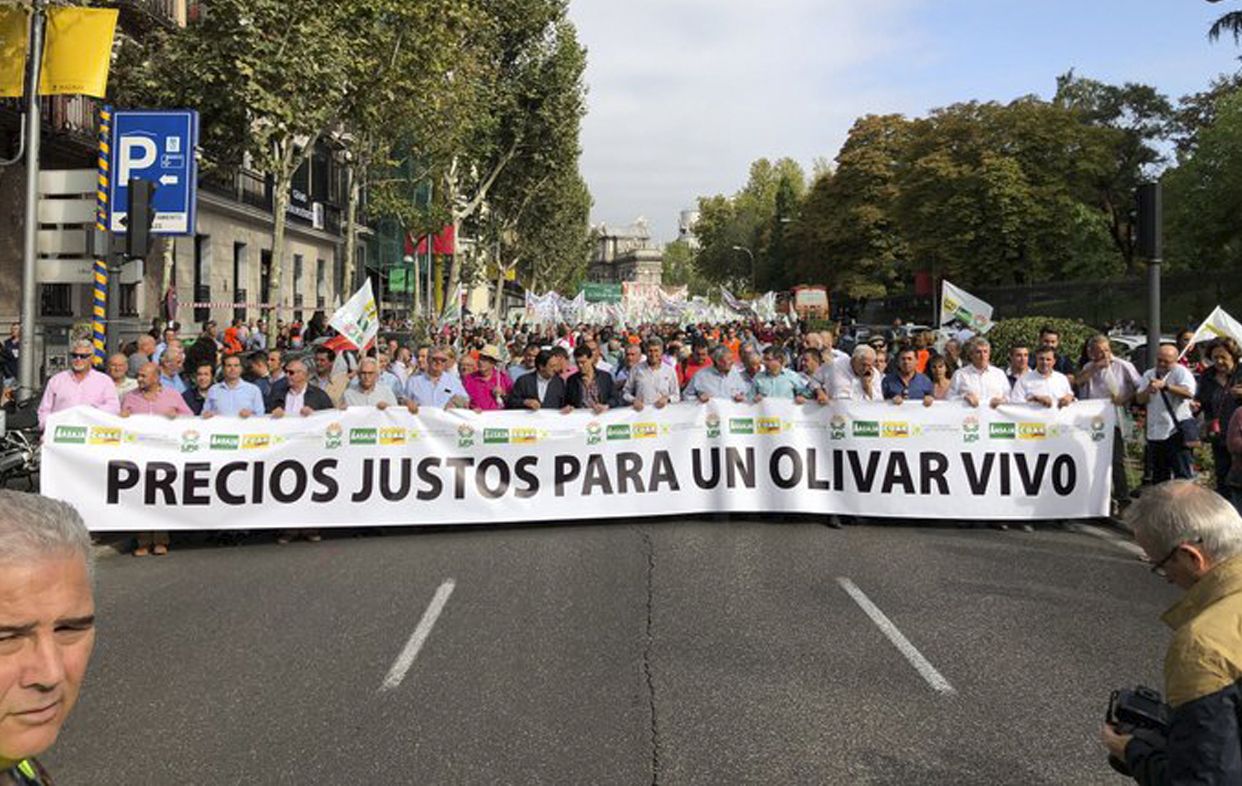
{"x": 455, "y": 262}
{"x": 351, "y": 233}
{"x": 280, "y": 203}
{"x": 167, "y": 277}
{"x": 418, "y": 280}
{"x": 500, "y": 290}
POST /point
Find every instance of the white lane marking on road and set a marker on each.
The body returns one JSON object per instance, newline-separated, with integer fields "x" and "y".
{"x": 421, "y": 631}
{"x": 903, "y": 645}
{"x": 1103, "y": 534}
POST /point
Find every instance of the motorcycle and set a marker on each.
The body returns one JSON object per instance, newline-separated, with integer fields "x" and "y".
{"x": 19, "y": 442}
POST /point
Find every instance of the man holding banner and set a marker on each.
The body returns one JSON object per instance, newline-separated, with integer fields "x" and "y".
{"x": 980, "y": 382}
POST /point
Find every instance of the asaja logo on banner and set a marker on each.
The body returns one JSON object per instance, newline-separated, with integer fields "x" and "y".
{"x": 105, "y": 435}
{"x": 332, "y": 436}
{"x": 619, "y": 431}
{"x": 224, "y": 442}
{"x": 594, "y": 432}
{"x": 892, "y": 429}
{"x": 1097, "y": 429}
{"x": 363, "y": 436}
{"x": 189, "y": 441}
{"x": 645, "y": 430}
{"x": 836, "y": 426}
{"x": 256, "y": 441}
{"x": 866, "y": 428}
{"x": 741, "y": 426}
{"x": 495, "y": 436}
{"x": 1032, "y": 431}
{"x": 970, "y": 429}
{"x": 70, "y": 435}
{"x": 1001, "y": 430}
{"x": 524, "y": 436}
{"x": 769, "y": 425}
{"x": 713, "y": 425}
{"x": 465, "y": 435}
{"x": 392, "y": 436}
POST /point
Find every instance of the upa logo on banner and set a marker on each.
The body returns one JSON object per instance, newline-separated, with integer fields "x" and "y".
{"x": 594, "y": 432}
{"x": 465, "y": 436}
{"x": 713, "y": 425}
{"x": 70, "y": 435}
{"x": 332, "y": 436}
{"x": 970, "y": 429}
{"x": 190, "y": 441}
{"x": 1097, "y": 429}
{"x": 836, "y": 427}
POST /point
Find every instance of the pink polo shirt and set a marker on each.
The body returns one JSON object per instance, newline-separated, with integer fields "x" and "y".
{"x": 64, "y": 390}
{"x": 168, "y": 400}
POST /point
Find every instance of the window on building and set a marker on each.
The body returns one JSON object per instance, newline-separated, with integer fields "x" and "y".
{"x": 241, "y": 274}
{"x": 321, "y": 283}
{"x": 56, "y": 300}
{"x": 202, "y": 277}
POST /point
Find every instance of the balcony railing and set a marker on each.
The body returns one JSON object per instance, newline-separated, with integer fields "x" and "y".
{"x": 144, "y": 13}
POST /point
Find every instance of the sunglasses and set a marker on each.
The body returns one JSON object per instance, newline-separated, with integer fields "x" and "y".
{"x": 81, "y": 355}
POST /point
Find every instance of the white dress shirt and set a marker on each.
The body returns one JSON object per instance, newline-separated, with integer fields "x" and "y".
{"x": 987, "y": 384}
{"x": 1055, "y": 386}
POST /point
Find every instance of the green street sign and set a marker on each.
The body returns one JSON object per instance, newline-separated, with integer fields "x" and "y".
{"x": 601, "y": 293}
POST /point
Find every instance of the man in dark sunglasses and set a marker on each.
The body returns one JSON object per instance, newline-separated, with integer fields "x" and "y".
{"x": 1193, "y": 538}
{"x": 79, "y": 385}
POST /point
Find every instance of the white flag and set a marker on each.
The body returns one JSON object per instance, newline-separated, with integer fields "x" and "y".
{"x": 1218, "y": 325}
{"x": 452, "y": 307}
{"x": 959, "y": 306}
{"x": 358, "y": 319}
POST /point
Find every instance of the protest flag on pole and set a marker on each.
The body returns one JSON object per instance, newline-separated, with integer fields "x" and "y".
{"x": 1218, "y": 325}
{"x": 961, "y": 309}
{"x": 358, "y": 319}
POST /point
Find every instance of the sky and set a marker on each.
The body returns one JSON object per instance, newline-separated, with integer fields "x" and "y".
{"x": 684, "y": 94}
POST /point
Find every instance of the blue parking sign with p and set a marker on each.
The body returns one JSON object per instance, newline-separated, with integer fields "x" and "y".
{"x": 159, "y": 147}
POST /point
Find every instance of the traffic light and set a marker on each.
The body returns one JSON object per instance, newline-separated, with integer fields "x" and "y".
{"x": 1150, "y": 219}
{"x": 140, "y": 212}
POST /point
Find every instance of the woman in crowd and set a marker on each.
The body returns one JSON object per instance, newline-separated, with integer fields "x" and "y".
{"x": 938, "y": 371}
{"x": 1218, "y": 395}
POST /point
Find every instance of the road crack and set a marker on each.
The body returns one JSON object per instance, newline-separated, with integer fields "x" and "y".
{"x": 649, "y": 551}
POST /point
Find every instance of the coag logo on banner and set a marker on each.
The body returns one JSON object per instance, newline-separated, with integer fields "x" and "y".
{"x": 363, "y": 436}
{"x": 392, "y": 435}
{"x": 1097, "y": 429}
{"x": 594, "y": 432}
{"x": 495, "y": 436}
{"x": 892, "y": 429}
{"x": 769, "y": 425}
{"x": 524, "y": 436}
{"x": 224, "y": 442}
{"x": 618, "y": 431}
{"x": 741, "y": 425}
{"x": 1032, "y": 431}
{"x": 970, "y": 429}
{"x": 645, "y": 430}
{"x": 70, "y": 435}
{"x": 713, "y": 425}
{"x": 189, "y": 441}
{"x": 105, "y": 435}
{"x": 866, "y": 428}
{"x": 836, "y": 427}
{"x": 256, "y": 441}
{"x": 332, "y": 436}
{"x": 1001, "y": 430}
{"x": 465, "y": 435}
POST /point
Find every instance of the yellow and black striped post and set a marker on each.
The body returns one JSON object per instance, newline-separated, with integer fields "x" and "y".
{"x": 99, "y": 322}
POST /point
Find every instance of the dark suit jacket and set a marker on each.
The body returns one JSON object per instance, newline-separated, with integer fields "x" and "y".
{"x": 314, "y": 397}
{"x": 527, "y": 386}
{"x": 575, "y": 395}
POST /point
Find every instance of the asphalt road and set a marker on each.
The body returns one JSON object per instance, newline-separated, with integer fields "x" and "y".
{"x": 710, "y": 651}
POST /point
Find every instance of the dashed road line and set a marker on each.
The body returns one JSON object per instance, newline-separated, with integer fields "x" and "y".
{"x": 421, "y": 631}
{"x": 927, "y": 671}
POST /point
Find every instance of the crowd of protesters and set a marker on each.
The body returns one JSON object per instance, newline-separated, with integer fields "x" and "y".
{"x": 564, "y": 367}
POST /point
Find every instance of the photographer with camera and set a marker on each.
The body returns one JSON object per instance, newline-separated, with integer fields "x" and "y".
{"x": 1193, "y": 538}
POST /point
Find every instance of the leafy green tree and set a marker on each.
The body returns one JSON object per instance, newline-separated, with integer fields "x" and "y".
{"x": 680, "y": 268}
{"x": 1204, "y": 196}
{"x": 1229, "y": 22}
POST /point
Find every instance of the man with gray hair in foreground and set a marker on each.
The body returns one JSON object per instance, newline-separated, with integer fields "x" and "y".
{"x": 1193, "y": 538}
{"x": 47, "y": 627}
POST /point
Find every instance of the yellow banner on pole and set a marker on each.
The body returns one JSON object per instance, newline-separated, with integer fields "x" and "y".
{"x": 78, "y": 52}
{"x": 14, "y": 41}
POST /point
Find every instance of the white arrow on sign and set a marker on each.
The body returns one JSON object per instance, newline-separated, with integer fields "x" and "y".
{"x": 168, "y": 180}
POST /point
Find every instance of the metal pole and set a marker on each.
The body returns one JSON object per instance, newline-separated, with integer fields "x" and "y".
{"x": 1151, "y": 246}
{"x": 30, "y": 287}
{"x": 1153, "y": 310}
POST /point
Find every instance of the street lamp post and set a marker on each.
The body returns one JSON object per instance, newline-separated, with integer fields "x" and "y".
{"x": 749, "y": 253}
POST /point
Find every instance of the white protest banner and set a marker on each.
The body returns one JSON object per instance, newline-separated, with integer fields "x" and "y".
{"x": 358, "y": 319}
{"x": 1218, "y": 325}
{"x": 365, "y": 467}
{"x": 962, "y": 309}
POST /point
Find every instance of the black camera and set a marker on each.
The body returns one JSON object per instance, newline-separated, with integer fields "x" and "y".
{"x": 1141, "y": 710}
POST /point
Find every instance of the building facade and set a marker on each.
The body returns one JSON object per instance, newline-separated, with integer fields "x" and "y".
{"x": 625, "y": 254}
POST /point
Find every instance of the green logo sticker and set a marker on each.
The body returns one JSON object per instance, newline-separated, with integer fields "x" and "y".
{"x": 363, "y": 436}
{"x": 619, "y": 431}
{"x": 866, "y": 428}
{"x": 495, "y": 436}
{"x": 70, "y": 435}
{"x": 225, "y": 442}
{"x": 1001, "y": 430}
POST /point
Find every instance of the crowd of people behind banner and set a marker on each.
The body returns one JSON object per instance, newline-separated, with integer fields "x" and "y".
{"x": 1185, "y": 397}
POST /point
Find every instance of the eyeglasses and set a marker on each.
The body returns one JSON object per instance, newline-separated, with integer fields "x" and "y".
{"x": 1158, "y": 568}
{"x": 81, "y": 355}
{"x": 439, "y": 360}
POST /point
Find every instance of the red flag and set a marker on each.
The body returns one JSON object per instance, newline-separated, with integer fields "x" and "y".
{"x": 444, "y": 242}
